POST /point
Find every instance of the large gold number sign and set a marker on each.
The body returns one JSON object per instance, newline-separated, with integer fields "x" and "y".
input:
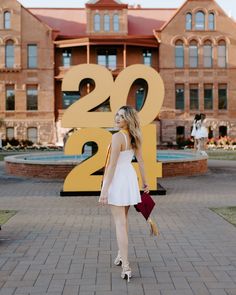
{"x": 78, "y": 115}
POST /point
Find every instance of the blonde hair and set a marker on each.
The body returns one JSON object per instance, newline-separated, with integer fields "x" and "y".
{"x": 133, "y": 124}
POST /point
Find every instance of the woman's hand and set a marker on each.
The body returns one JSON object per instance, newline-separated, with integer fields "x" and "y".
{"x": 145, "y": 188}
{"x": 103, "y": 197}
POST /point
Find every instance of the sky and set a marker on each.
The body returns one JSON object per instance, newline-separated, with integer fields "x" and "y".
{"x": 229, "y": 6}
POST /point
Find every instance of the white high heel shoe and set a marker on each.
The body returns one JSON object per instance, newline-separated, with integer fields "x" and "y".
{"x": 126, "y": 273}
{"x": 118, "y": 260}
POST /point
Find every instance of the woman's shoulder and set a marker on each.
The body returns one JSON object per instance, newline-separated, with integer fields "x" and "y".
{"x": 117, "y": 136}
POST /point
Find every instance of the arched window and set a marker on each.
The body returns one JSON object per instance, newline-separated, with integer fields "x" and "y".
{"x": 7, "y": 20}
{"x": 200, "y": 21}
{"x": 222, "y": 54}
{"x": 106, "y": 22}
{"x": 9, "y": 54}
{"x": 193, "y": 54}
{"x": 188, "y": 21}
{"x": 116, "y": 23}
{"x": 207, "y": 54}
{"x": 179, "y": 54}
{"x": 32, "y": 134}
{"x": 211, "y": 21}
{"x": 97, "y": 22}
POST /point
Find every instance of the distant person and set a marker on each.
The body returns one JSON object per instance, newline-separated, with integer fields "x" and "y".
{"x": 203, "y": 134}
{"x": 195, "y": 127}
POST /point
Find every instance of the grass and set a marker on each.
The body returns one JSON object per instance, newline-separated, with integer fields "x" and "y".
{"x": 228, "y": 213}
{"x": 5, "y": 215}
{"x": 222, "y": 155}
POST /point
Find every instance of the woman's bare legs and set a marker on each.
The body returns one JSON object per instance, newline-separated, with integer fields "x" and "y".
{"x": 120, "y": 218}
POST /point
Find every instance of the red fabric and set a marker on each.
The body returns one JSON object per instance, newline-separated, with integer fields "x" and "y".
{"x": 146, "y": 206}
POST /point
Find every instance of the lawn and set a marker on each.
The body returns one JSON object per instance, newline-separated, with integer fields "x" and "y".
{"x": 228, "y": 213}
{"x": 222, "y": 155}
{"x": 5, "y": 215}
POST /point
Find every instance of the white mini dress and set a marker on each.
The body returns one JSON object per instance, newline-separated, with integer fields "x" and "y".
{"x": 124, "y": 187}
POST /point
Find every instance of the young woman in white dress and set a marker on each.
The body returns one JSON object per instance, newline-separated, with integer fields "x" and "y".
{"x": 195, "y": 130}
{"x": 120, "y": 185}
{"x": 203, "y": 134}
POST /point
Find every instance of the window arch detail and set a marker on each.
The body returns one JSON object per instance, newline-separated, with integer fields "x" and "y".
{"x": 188, "y": 21}
{"x": 116, "y": 22}
{"x": 193, "y": 54}
{"x": 9, "y": 54}
{"x": 200, "y": 20}
{"x": 211, "y": 21}
{"x": 179, "y": 54}
{"x": 207, "y": 54}
{"x": 106, "y": 22}
{"x": 97, "y": 22}
{"x": 7, "y": 20}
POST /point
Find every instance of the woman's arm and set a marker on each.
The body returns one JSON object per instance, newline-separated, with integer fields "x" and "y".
{"x": 110, "y": 170}
{"x": 139, "y": 157}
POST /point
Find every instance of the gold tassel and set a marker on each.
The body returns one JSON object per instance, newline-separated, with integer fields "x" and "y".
{"x": 154, "y": 231}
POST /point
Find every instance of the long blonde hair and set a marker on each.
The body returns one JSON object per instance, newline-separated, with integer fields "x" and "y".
{"x": 133, "y": 124}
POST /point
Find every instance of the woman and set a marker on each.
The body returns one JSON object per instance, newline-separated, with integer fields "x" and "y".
{"x": 194, "y": 131}
{"x": 120, "y": 185}
{"x": 203, "y": 134}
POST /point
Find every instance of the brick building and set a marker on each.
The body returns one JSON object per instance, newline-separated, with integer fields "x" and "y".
{"x": 192, "y": 47}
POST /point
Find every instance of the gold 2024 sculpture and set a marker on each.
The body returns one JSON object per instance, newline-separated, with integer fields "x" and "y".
{"x": 78, "y": 115}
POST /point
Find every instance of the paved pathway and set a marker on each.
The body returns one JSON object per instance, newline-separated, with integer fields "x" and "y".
{"x": 66, "y": 246}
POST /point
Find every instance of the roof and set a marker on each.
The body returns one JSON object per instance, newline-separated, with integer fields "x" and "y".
{"x": 72, "y": 21}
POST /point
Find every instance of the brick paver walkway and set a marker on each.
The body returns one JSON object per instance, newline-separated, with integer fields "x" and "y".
{"x": 66, "y": 246}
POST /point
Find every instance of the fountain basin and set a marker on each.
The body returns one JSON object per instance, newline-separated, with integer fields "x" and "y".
{"x": 55, "y": 165}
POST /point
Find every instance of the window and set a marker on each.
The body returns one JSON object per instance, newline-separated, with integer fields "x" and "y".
{"x": 116, "y": 23}
{"x": 97, "y": 22}
{"x": 211, "y": 21}
{"x": 66, "y": 58}
{"x": 222, "y": 54}
{"x": 9, "y": 54}
{"x": 188, "y": 21}
{"x": 180, "y": 134}
{"x": 222, "y": 94}
{"x": 140, "y": 98}
{"x": 32, "y": 134}
{"x": 10, "y": 98}
{"x": 32, "y": 98}
{"x": 222, "y": 131}
{"x": 7, "y": 20}
{"x": 107, "y": 58}
{"x": 207, "y": 54}
{"x": 32, "y": 56}
{"x": 179, "y": 54}
{"x": 193, "y": 55}
{"x": 9, "y": 132}
{"x": 69, "y": 97}
{"x": 199, "y": 21}
{"x": 106, "y": 22}
{"x": 208, "y": 97}
{"x": 179, "y": 97}
{"x": 194, "y": 100}
{"x": 147, "y": 57}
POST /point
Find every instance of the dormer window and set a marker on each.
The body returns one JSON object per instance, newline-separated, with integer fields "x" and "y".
{"x": 116, "y": 23}
{"x": 106, "y": 22}
{"x": 97, "y": 22}
{"x": 7, "y": 20}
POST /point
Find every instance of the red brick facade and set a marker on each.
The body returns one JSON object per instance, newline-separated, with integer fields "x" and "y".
{"x": 115, "y": 35}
